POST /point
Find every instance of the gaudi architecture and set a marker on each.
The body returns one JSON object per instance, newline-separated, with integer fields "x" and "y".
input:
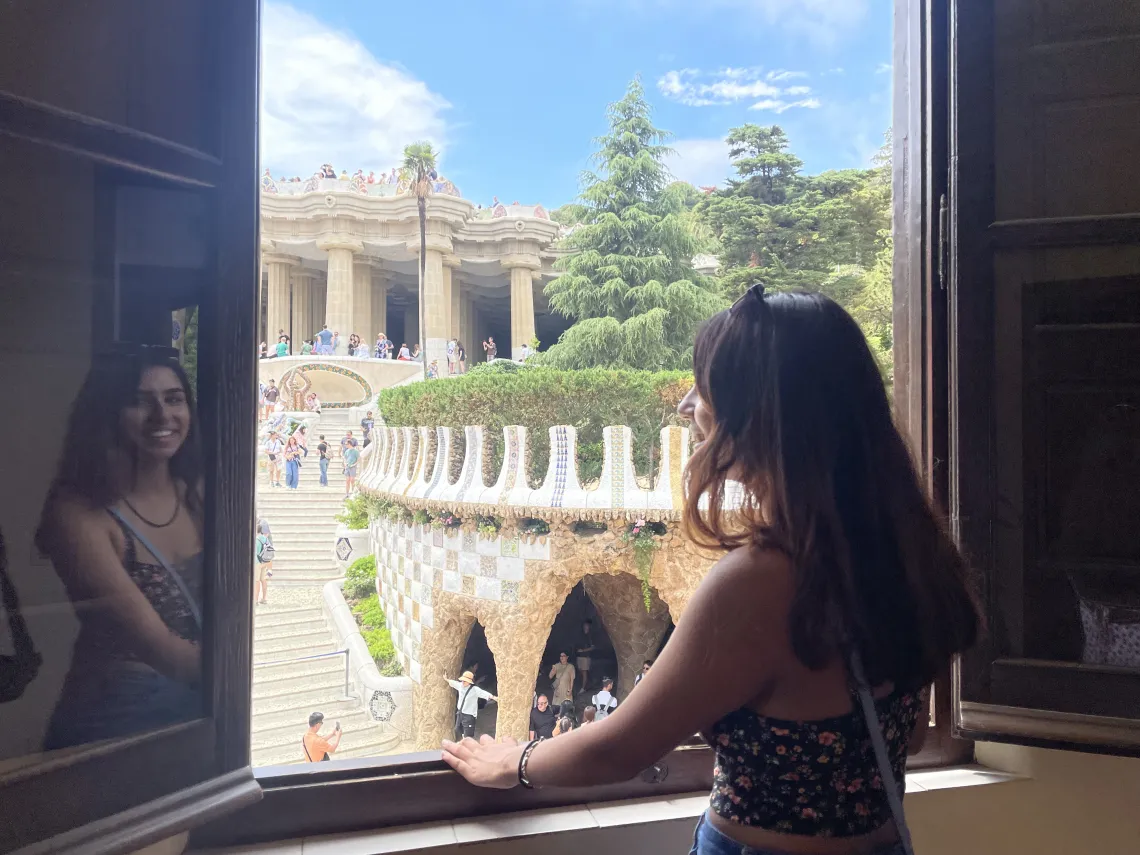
{"x": 344, "y": 252}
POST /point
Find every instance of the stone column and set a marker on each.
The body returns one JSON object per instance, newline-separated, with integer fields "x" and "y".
{"x": 635, "y": 633}
{"x": 436, "y": 304}
{"x": 303, "y": 327}
{"x": 411, "y": 326}
{"x": 379, "y": 304}
{"x": 451, "y": 286}
{"x": 465, "y": 322}
{"x": 339, "y": 296}
{"x": 456, "y": 329}
{"x": 523, "y": 268}
{"x": 362, "y": 300}
{"x": 277, "y": 315}
{"x": 318, "y": 294}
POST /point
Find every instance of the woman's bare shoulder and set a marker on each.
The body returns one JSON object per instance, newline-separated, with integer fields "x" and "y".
{"x": 750, "y": 570}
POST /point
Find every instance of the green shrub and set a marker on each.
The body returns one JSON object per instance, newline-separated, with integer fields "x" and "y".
{"x": 488, "y": 526}
{"x": 360, "y": 578}
{"x": 421, "y": 517}
{"x": 539, "y": 397}
{"x": 374, "y": 630}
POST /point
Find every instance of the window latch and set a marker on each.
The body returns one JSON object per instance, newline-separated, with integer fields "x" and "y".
{"x": 655, "y": 774}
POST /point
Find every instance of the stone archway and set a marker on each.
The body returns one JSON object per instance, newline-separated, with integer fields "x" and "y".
{"x": 480, "y": 659}
{"x": 635, "y": 633}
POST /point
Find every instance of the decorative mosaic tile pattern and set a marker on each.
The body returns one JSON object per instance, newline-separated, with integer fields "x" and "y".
{"x": 408, "y": 587}
{"x": 511, "y": 569}
{"x": 438, "y": 558}
{"x": 415, "y": 611}
{"x": 561, "y": 454}
{"x": 452, "y": 560}
{"x": 487, "y": 589}
{"x": 510, "y": 547}
{"x": 441, "y": 459}
{"x": 512, "y": 458}
{"x": 408, "y": 548}
{"x": 437, "y": 538}
{"x": 418, "y": 551}
{"x": 468, "y": 564}
{"x": 452, "y": 582}
{"x": 425, "y": 594}
{"x": 487, "y": 566}
{"x": 488, "y": 546}
{"x": 469, "y": 585}
{"x": 617, "y": 468}
{"x": 473, "y": 458}
{"x": 676, "y": 476}
{"x": 426, "y": 553}
{"x": 510, "y": 592}
{"x": 416, "y": 571}
{"x": 469, "y": 541}
{"x": 437, "y": 578}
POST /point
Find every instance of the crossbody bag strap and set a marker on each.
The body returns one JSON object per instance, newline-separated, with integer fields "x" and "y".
{"x": 882, "y": 758}
{"x": 166, "y": 565}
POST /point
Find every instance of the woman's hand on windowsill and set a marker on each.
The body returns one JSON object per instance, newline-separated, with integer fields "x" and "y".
{"x": 485, "y": 763}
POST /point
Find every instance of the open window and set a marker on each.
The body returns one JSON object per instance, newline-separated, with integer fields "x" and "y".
{"x": 128, "y": 225}
{"x": 1044, "y": 286}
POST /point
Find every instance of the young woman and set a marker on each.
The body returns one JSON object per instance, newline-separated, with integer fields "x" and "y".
{"x": 462, "y": 356}
{"x": 302, "y": 435}
{"x": 292, "y": 463}
{"x": 122, "y": 525}
{"x": 589, "y": 714}
{"x": 839, "y": 592}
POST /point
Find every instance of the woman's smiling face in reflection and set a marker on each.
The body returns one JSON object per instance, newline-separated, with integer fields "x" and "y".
{"x": 158, "y": 420}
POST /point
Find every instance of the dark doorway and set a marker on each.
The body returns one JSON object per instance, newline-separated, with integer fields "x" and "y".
{"x": 477, "y": 657}
{"x": 566, "y": 634}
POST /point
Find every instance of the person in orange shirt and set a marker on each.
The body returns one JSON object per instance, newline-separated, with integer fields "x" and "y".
{"x": 316, "y": 747}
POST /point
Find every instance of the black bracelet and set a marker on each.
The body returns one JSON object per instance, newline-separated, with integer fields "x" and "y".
{"x": 523, "y": 760}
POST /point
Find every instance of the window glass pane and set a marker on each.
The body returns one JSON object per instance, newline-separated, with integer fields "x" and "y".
{"x": 101, "y": 509}
{"x": 432, "y": 426}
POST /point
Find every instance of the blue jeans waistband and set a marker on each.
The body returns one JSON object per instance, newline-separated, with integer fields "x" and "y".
{"x": 709, "y": 840}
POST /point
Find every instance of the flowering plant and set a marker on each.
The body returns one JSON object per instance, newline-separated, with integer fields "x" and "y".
{"x": 489, "y": 526}
{"x": 644, "y": 537}
{"x": 448, "y": 519}
{"x": 421, "y": 517}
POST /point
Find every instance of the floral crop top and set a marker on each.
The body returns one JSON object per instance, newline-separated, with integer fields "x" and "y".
{"x": 812, "y": 778}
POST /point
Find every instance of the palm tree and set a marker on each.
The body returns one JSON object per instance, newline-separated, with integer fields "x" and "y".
{"x": 419, "y": 171}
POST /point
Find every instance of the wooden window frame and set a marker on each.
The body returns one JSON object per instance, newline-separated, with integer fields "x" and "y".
{"x": 180, "y": 776}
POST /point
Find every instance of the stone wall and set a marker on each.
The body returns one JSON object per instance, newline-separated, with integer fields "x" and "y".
{"x": 435, "y": 583}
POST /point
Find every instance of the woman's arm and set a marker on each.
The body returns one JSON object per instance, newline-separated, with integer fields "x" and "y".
{"x": 725, "y": 651}
{"x": 84, "y": 555}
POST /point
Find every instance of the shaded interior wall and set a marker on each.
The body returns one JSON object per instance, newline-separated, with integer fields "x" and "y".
{"x": 637, "y": 634}
{"x": 47, "y": 287}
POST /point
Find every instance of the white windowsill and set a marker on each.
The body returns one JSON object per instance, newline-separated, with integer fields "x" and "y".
{"x": 416, "y": 838}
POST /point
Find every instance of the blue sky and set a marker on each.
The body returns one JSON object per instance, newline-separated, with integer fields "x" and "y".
{"x": 514, "y": 92}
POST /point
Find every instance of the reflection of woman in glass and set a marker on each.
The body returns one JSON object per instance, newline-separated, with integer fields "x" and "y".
{"x": 123, "y": 527}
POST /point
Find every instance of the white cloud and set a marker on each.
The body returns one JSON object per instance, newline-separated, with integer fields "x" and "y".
{"x": 697, "y": 88}
{"x": 326, "y": 98}
{"x": 777, "y": 105}
{"x": 883, "y": 68}
{"x": 702, "y": 162}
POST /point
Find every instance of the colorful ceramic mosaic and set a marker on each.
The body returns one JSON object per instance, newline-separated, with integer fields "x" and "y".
{"x": 333, "y": 368}
{"x": 474, "y": 441}
{"x": 511, "y": 592}
{"x": 468, "y": 584}
{"x": 486, "y": 566}
{"x": 617, "y": 467}
{"x": 511, "y": 547}
{"x": 512, "y": 457}
{"x": 561, "y": 455}
{"x": 452, "y": 560}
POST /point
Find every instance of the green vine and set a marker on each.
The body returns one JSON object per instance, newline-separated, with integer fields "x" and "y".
{"x": 645, "y": 538}
{"x": 488, "y": 526}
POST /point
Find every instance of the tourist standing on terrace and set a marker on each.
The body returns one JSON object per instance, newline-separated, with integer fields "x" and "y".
{"x": 292, "y": 463}
{"x": 461, "y": 355}
{"x": 282, "y": 346}
{"x": 604, "y": 701}
{"x": 467, "y": 703}
{"x": 262, "y": 351}
{"x": 351, "y": 459}
{"x": 306, "y": 348}
{"x": 645, "y": 666}
{"x": 323, "y": 451}
{"x": 366, "y": 425}
{"x": 122, "y": 525}
{"x": 542, "y": 719}
{"x": 582, "y": 651}
{"x": 274, "y": 448}
{"x": 324, "y": 340}
{"x": 805, "y": 653}
{"x": 491, "y": 348}
{"x": 270, "y": 395}
{"x": 382, "y": 346}
{"x": 562, "y": 673}
{"x": 302, "y": 435}
{"x": 451, "y": 356}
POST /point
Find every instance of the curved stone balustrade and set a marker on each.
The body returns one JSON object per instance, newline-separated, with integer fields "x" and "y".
{"x": 410, "y": 466}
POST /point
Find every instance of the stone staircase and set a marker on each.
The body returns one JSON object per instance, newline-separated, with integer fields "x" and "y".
{"x": 288, "y": 685}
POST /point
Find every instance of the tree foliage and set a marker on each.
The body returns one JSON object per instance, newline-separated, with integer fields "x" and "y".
{"x": 796, "y": 231}
{"x": 629, "y": 282}
{"x": 419, "y": 170}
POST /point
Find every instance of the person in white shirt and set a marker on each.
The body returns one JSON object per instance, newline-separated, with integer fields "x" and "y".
{"x": 524, "y": 352}
{"x": 274, "y": 449}
{"x": 645, "y": 666}
{"x": 605, "y": 700}
{"x": 467, "y": 704}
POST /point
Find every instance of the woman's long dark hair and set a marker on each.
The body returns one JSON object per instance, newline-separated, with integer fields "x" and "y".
{"x": 97, "y": 464}
{"x": 802, "y": 420}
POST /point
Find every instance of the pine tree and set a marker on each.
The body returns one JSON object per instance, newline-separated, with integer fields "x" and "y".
{"x": 629, "y": 282}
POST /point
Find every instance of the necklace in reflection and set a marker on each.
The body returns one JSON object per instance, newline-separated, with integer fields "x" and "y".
{"x": 173, "y": 517}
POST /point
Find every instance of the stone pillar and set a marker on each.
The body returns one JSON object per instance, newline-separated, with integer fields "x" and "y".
{"x": 277, "y": 316}
{"x": 379, "y": 305}
{"x": 303, "y": 328}
{"x": 319, "y": 292}
{"x": 522, "y": 269}
{"x": 465, "y": 322}
{"x": 340, "y": 291}
{"x": 436, "y": 304}
{"x": 456, "y": 328}
{"x": 362, "y": 300}
{"x": 635, "y": 633}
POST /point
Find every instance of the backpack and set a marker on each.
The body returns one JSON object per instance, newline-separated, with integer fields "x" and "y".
{"x": 265, "y": 550}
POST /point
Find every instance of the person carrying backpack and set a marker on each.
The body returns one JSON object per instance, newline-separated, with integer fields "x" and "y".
{"x": 263, "y": 564}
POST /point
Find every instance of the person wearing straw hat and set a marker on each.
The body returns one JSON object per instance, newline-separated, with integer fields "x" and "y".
{"x": 467, "y": 705}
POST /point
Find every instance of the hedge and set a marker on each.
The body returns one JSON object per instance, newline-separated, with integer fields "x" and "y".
{"x": 539, "y": 397}
{"x": 360, "y": 578}
{"x": 374, "y": 629}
